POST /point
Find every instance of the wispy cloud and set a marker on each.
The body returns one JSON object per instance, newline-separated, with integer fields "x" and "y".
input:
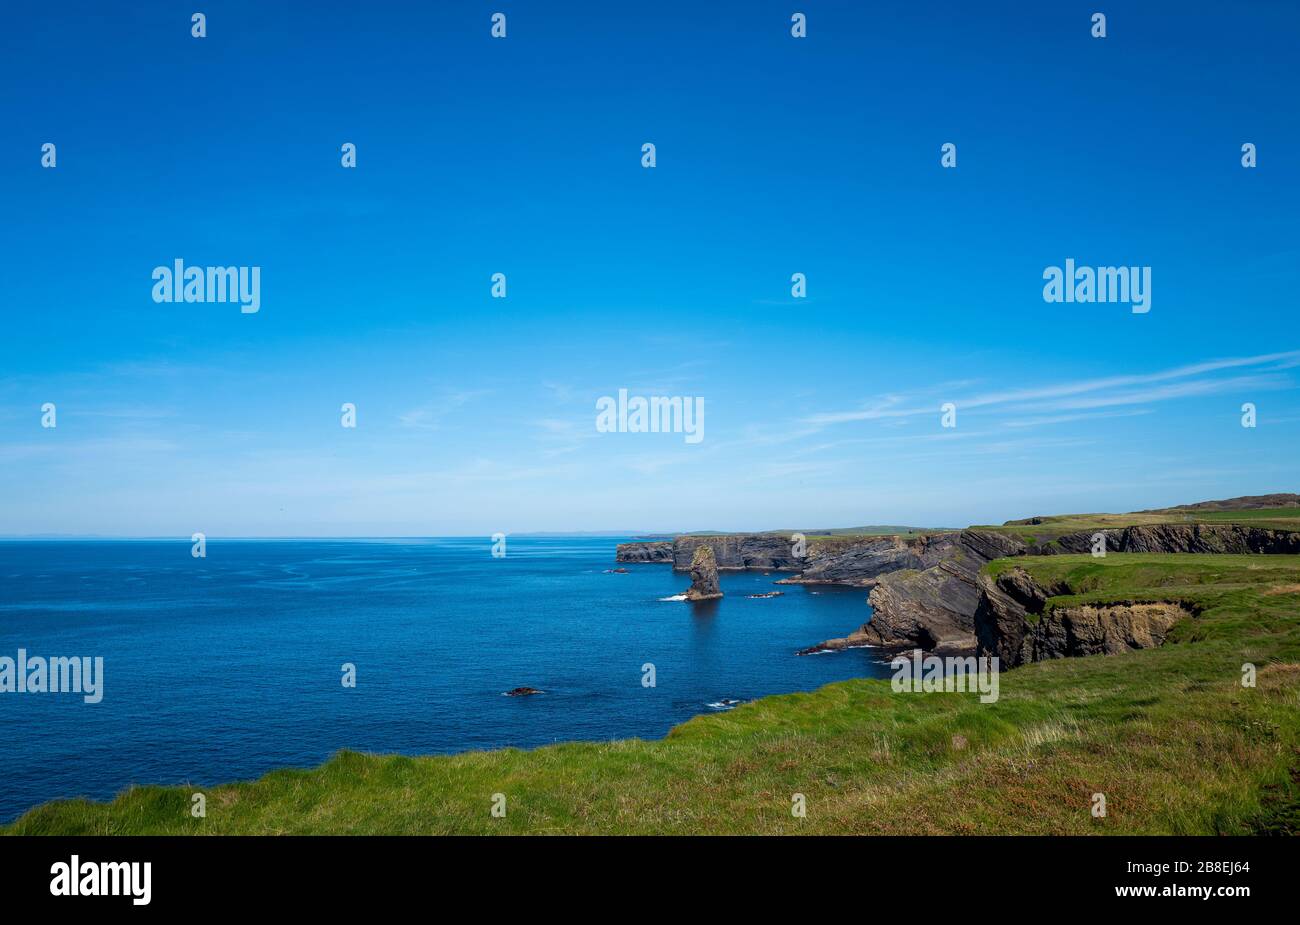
{"x": 1068, "y": 418}
{"x": 1179, "y": 382}
{"x": 429, "y": 415}
{"x": 560, "y": 436}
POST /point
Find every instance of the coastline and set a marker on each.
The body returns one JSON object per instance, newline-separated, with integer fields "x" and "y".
{"x": 924, "y": 762}
{"x": 1142, "y": 640}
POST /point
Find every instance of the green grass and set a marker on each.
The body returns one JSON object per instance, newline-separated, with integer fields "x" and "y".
{"x": 1050, "y": 528}
{"x": 847, "y": 533}
{"x": 1169, "y": 735}
{"x": 1282, "y": 518}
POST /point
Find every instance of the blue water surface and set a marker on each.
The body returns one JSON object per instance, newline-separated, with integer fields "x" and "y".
{"x": 226, "y": 667}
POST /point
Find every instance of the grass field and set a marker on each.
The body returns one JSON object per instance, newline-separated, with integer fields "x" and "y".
{"x": 1049, "y": 528}
{"x": 1287, "y": 518}
{"x": 1169, "y": 735}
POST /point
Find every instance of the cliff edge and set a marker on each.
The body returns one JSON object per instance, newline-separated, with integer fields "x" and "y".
{"x": 1016, "y": 623}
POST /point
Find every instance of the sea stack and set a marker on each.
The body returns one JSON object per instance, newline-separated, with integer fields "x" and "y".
{"x": 704, "y": 575}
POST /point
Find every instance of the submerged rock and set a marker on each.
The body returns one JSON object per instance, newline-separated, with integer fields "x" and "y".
{"x": 704, "y": 575}
{"x": 766, "y": 594}
{"x": 855, "y": 640}
{"x": 726, "y": 703}
{"x": 523, "y": 692}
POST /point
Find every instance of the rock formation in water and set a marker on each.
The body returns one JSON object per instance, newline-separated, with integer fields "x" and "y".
{"x": 523, "y": 692}
{"x": 924, "y": 587}
{"x": 704, "y": 576}
{"x": 1014, "y": 623}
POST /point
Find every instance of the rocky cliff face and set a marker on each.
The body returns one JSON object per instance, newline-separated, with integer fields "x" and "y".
{"x": 826, "y": 560}
{"x": 655, "y": 551}
{"x": 746, "y": 550}
{"x": 863, "y": 561}
{"x": 1203, "y": 538}
{"x": 935, "y": 607}
{"x": 704, "y": 576}
{"x": 932, "y": 605}
{"x": 1014, "y": 623}
{"x": 926, "y": 589}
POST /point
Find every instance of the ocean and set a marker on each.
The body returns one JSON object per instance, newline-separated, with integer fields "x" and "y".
{"x": 225, "y": 667}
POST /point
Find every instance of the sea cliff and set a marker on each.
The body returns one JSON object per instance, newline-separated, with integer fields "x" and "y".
{"x": 924, "y": 587}
{"x": 1015, "y": 622}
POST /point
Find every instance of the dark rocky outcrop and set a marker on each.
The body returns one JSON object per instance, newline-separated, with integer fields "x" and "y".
{"x": 862, "y": 562}
{"x": 930, "y": 609}
{"x": 931, "y": 606}
{"x": 1014, "y": 623}
{"x": 1200, "y": 538}
{"x": 704, "y": 576}
{"x": 743, "y": 550}
{"x": 936, "y": 608}
{"x": 1004, "y": 614}
{"x": 523, "y": 692}
{"x": 768, "y": 551}
{"x": 826, "y": 560}
{"x": 654, "y": 551}
{"x": 855, "y": 640}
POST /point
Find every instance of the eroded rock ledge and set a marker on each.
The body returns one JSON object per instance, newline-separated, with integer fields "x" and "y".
{"x": 1014, "y": 622}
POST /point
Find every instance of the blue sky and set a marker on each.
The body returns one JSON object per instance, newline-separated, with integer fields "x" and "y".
{"x": 523, "y": 156}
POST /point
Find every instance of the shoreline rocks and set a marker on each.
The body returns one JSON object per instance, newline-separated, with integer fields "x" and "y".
{"x": 523, "y": 692}
{"x": 855, "y": 640}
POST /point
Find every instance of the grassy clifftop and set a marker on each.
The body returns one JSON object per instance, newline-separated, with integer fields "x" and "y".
{"x": 1169, "y": 735}
{"x": 1045, "y": 529}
